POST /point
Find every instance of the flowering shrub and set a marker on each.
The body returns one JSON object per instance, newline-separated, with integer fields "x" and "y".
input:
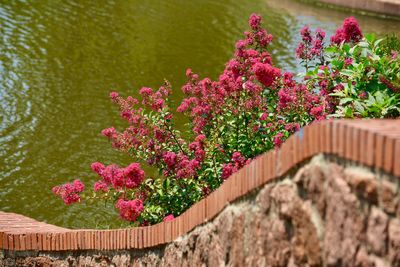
{"x": 252, "y": 107}
{"x": 361, "y": 80}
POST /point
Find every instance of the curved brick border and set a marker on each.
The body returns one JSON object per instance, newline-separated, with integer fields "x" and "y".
{"x": 374, "y": 143}
{"x": 389, "y": 7}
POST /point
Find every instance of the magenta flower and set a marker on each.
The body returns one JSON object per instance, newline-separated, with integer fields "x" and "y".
{"x": 134, "y": 175}
{"x": 254, "y": 21}
{"x": 170, "y": 159}
{"x": 79, "y": 186}
{"x": 109, "y": 132}
{"x": 266, "y": 74}
{"x": 100, "y": 186}
{"x": 306, "y": 34}
{"x": 318, "y": 112}
{"x": 114, "y": 96}
{"x": 394, "y": 55}
{"x": 227, "y": 170}
{"x": 169, "y": 218}
{"x": 98, "y": 168}
{"x": 129, "y": 210}
{"x": 278, "y": 139}
{"x": 69, "y": 192}
{"x": 238, "y": 159}
{"x": 301, "y": 51}
{"x": 348, "y": 61}
{"x": 363, "y": 95}
{"x": 349, "y": 32}
{"x": 146, "y": 91}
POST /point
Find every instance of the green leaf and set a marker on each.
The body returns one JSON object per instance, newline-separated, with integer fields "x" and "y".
{"x": 331, "y": 49}
{"x": 379, "y": 97}
{"x": 377, "y": 42}
{"x": 359, "y": 107}
{"x": 346, "y": 47}
{"x": 348, "y": 112}
{"x": 363, "y": 44}
{"x": 370, "y": 37}
{"x": 345, "y": 100}
{"x": 347, "y": 72}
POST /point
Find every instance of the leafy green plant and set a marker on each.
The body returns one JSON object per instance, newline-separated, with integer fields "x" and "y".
{"x": 251, "y": 108}
{"x": 363, "y": 80}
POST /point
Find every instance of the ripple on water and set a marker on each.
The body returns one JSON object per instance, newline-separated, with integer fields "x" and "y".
{"x": 59, "y": 60}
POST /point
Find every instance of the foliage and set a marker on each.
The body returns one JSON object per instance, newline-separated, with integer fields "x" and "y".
{"x": 251, "y": 108}
{"x": 362, "y": 80}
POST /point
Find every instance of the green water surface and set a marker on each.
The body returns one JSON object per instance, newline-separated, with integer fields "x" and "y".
{"x": 60, "y": 59}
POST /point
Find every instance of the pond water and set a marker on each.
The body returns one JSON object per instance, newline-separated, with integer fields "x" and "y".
{"x": 60, "y": 59}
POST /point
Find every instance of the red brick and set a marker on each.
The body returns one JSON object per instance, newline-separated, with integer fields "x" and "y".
{"x": 389, "y": 154}
{"x": 68, "y": 241}
{"x": 370, "y": 148}
{"x": 396, "y": 170}
{"x": 11, "y": 243}
{"x": 34, "y": 241}
{"x": 2, "y": 245}
{"x": 140, "y": 237}
{"x": 379, "y": 154}
{"x": 22, "y": 241}
{"x": 349, "y": 142}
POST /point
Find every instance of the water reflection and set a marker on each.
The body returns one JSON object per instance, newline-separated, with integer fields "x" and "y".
{"x": 59, "y": 60}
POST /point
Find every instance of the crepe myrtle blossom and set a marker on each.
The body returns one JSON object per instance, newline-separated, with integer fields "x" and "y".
{"x": 118, "y": 178}
{"x": 69, "y": 192}
{"x": 251, "y": 107}
{"x": 350, "y": 31}
{"x": 129, "y": 210}
{"x": 238, "y": 161}
{"x": 169, "y": 218}
{"x": 310, "y": 48}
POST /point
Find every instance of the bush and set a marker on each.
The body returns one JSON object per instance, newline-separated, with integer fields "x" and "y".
{"x": 252, "y": 108}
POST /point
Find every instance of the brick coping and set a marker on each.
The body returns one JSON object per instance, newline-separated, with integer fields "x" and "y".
{"x": 388, "y": 7}
{"x": 373, "y": 143}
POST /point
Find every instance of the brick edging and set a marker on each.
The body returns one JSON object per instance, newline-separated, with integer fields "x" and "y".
{"x": 388, "y": 7}
{"x": 374, "y": 143}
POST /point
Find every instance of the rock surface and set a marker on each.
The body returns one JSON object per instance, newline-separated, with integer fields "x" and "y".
{"x": 323, "y": 215}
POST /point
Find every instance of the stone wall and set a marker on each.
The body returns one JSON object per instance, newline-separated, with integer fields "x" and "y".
{"x": 327, "y": 213}
{"x": 388, "y": 7}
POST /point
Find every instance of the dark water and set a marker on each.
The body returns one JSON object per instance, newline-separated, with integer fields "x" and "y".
{"x": 60, "y": 59}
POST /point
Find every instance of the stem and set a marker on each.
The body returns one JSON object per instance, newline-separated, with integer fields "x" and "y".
{"x": 173, "y": 136}
{"x": 216, "y": 140}
{"x": 246, "y": 123}
{"x": 237, "y": 123}
{"x": 215, "y": 166}
{"x": 306, "y": 43}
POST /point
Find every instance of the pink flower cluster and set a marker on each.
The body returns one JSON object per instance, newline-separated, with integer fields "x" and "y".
{"x": 119, "y": 178}
{"x": 155, "y": 100}
{"x": 278, "y": 139}
{"x": 238, "y": 161}
{"x": 129, "y": 210}
{"x": 266, "y": 74}
{"x": 69, "y": 192}
{"x": 251, "y": 70}
{"x": 310, "y": 48}
{"x": 296, "y": 98}
{"x": 180, "y": 165}
{"x": 349, "y": 32}
{"x": 142, "y": 131}
{"x": 255, "y": 21}
{"x": 169, "y": 218}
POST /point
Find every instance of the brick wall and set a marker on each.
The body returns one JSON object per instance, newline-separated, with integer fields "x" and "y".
{"x": 374, "y": 144}
{"x": 389, "y": 7}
